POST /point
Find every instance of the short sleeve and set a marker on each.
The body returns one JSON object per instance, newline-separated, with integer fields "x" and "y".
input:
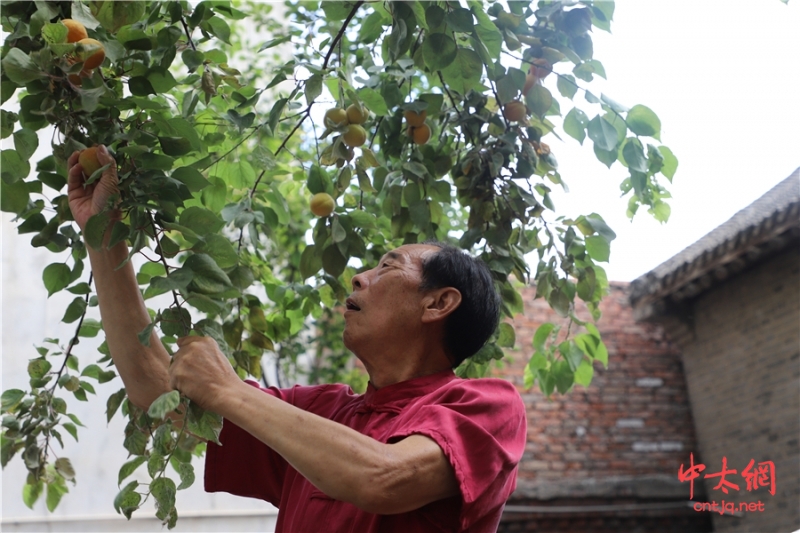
{"x": 245, "y": 466}
{"x": 481, "y": 427}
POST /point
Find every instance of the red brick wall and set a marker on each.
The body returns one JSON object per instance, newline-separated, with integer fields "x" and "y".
{"x": 634, "y": 419}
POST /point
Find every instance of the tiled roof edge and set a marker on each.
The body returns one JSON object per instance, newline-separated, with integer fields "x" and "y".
{"x": 767, "y": 217}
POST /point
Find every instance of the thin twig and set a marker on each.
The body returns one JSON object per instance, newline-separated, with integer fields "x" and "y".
{"x": 341, "y": 33}
{"x": 186, "y": 327}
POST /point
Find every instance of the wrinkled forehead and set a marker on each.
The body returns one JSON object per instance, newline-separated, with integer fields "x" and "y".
{"x": 412, "y": 254}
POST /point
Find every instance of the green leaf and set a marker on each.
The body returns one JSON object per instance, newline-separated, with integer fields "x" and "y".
{"x": 37, "y": 368}
{"x": 465, "y": 72}
{"x": 275, "y": 42}
{"x": 660, "y": 211}
{"x": 601, "y": 354}
{"x": 208, "y": 278}
{"x": 575, "y": 124}
{"x": 127, "y": 500}
{"x": 13, "y": 196}
{"x": 333, "y": 261}
{"x": 175, "y": 146}
{"x": 12, "y": 167}
{"x": 56, "y": 276}
{"x": 25, "y": 141}
{"x": 192, "y": 59}
{"x": 603, "y": 133}
{"x": 567, "y": 86}
{"x": 128, "y": 468}
{"x": 89, "y": 328}
{"x": 140, "y": 86}
{"x": 372, "y": 27}
{"x": 362, "y": 219}
{"x": 200, "y": 220}
{"x": 670, "y": 162}
{"x": 219, "y": 28}
{"x": 204, "y": 424}
{"x": 75, "y": 310}
{"x": 563, "y": 375}
{"x": 113, "y": 403}
{"x": 439, "y": 51}
{"x": 460, "y": 19}
{"x": 486, "y": 29}
{"x": 64, "y": 467}
{"x": 598, "y": 248}
{"x": 186, "y": 472}
{"x": 310, "y": 262}
{"x": 313, "y": 88}
{"x": 31, "y": 492}
{"x": 584, "y": 373}
{"x": 219, "y": 248}
{"x": 144, "y": 335}
{"x": 161, "y": 80}
{"x": 10, "y": 399}
{"x": 541, "y": 336}
{"x": 164, "y": 404}
{"x": 191, "y": 177}
{"x": 506, "y": 336}
{"x": 20, "y": 68}
{"x": 96, "y": 229}
{"x": 374, "y": 101}
{"x": 633, "y": 152}
{"x": 539, "y": 99}
{"x": 643, "y": 121}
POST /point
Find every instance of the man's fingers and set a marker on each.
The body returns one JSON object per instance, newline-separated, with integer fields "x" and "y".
{"x": 73, "y": 159}
{"x": 74, "y": 177}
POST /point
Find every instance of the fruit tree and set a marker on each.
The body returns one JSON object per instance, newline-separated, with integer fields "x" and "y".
{"x": 404, "y": 121}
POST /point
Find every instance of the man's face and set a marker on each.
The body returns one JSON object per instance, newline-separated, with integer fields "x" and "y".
{"x": 386, "y": 304}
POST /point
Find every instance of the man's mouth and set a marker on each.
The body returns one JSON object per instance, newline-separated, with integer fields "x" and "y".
{"x": 351, "y": 305}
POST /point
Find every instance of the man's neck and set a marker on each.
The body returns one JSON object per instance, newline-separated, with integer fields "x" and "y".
{"x": 382, "y": 375}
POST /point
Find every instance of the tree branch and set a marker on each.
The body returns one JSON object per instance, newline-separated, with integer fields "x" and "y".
{"x": 341, "y": 33}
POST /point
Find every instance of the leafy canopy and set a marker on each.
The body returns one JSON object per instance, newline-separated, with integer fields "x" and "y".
{"x": 445, "y": 113}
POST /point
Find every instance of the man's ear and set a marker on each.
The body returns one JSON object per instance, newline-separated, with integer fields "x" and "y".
{"x": 439, "y": 303}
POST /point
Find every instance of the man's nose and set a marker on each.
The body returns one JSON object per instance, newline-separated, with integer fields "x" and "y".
{"x": 360, "y": 281}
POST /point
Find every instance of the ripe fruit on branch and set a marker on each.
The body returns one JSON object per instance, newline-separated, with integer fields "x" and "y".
{"x": 540, "y": 68}
{"x": 415, "y": 119}
{"x": 92, "y": 54}
{"x": 515, "y": 111}
{"x": 356, "y": 114}
{"x": 335, "y": 118}
{"x": 88, "y": 161}
{"x": 354, "y": 135}
{"x": 75, "y": 30}
{"x": 420, "y": 134}
{"x": 322, "y": 204}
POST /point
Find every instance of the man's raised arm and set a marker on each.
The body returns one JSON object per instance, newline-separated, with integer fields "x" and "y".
{"x": 143, "y": 369}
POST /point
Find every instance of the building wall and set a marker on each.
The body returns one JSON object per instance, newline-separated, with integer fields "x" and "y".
{"x": 633, "y": 420}
{"x": 743, "y": 373}
{"x": 620, "y": 442}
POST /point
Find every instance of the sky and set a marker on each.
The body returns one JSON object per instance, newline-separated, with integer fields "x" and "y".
{"x": 723, "y": 78}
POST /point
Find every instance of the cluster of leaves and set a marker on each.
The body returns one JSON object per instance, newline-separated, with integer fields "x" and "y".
{"x": 216, "y": 167}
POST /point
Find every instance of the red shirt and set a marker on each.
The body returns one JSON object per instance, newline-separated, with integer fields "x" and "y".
{"x": 480, "y": 425}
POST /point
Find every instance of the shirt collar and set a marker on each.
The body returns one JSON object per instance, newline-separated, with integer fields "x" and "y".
{"x": 405, "y": 390}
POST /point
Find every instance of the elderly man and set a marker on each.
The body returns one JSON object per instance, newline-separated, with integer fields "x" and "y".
{"x": 421, "y": 450}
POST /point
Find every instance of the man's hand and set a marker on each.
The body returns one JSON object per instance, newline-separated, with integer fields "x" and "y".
{"x": 89, "y": 200}
{"x": 200, "y": 371}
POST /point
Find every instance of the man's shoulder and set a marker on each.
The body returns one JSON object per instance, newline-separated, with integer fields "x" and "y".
{"x": 483, "y": 390}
